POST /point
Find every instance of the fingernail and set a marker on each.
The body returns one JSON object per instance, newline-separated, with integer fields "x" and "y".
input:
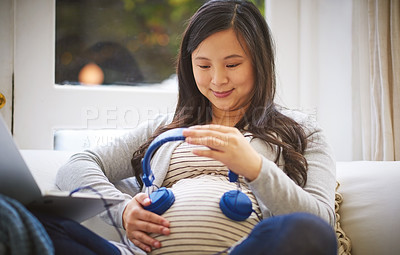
{"x": 165, "y": 231}
{"x": 157, "y": 244}
{"x": 147, "y": 200}
{"x": 165, "y": 223}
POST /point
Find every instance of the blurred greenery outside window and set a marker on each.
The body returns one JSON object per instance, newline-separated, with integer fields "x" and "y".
{"x": 120, "y": 42}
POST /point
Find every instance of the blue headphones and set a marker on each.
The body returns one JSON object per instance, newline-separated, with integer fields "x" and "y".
{"x": 234, "y": 203}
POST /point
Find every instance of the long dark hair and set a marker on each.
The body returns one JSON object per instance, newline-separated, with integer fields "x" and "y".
{"x": 262, "y": 118}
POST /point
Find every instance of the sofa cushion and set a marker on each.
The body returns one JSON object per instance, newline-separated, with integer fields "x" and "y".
{"x": 369, "y": 212}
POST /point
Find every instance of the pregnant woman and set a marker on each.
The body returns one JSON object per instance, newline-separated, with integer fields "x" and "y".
{"x": 226, "y": 77}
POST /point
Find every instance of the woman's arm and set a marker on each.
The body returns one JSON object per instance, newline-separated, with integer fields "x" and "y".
{"x": 280, "y": 195}
{"x": 102, "y": 166}
{"x": 274, "y": 190}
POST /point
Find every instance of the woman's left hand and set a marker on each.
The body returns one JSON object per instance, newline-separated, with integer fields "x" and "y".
{"x": 226, "y": 145}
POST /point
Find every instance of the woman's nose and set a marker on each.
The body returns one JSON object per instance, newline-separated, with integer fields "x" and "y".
{"x": 219, "y": 76}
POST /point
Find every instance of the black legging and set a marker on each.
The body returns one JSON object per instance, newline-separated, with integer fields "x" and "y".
{"x": 291, "y": 234}
{"x": 70, "y": 237}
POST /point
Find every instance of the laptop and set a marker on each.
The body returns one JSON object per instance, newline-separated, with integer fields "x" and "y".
{"x": 16, "y": 181}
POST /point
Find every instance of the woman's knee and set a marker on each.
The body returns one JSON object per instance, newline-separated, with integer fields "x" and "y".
{"x": 308, "y": 233}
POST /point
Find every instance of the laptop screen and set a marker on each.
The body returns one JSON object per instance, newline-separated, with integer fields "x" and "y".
{"x": 16, "y": 181}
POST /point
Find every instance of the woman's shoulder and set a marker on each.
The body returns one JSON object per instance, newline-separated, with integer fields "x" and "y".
{"x": 132, "y": 138}
{"x": 302, "y": 117}
{"x": 161, "y": 119}
{"x": 306, "y": 119}
{"x": 152, "y": 123}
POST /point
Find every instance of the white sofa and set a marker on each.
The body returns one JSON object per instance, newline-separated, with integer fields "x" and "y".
{"x": 368, "y": 211}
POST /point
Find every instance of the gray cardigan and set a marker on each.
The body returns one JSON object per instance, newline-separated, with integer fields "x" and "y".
{"x": 108, "y": 169}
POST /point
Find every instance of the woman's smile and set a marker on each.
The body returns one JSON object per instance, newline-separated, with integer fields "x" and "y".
{"x": 222, "y": 94}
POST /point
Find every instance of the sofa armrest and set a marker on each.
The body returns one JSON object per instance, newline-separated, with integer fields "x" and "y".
{"x": 44, "y": 165}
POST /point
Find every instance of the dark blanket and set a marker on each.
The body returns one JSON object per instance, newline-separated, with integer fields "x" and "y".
{"x": 20, "y": 232}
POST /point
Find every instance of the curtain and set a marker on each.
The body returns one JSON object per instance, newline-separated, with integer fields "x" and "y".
{"x": 376, "y": 78}
{"x": 313, "y": 40}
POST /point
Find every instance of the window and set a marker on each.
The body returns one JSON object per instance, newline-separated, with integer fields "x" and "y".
{"x": 125, "y": 42}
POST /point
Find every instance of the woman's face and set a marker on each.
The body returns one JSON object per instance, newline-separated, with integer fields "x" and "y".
{"x": 223, "y": 71}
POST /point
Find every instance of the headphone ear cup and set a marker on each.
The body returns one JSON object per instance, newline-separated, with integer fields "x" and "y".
{"x": 161, "y": 201}
{"x": 236, "y": 205}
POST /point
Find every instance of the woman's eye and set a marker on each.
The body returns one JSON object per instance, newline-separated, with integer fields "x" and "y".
{"x": 232, "y": 65}
{"x": 204, "y": 67}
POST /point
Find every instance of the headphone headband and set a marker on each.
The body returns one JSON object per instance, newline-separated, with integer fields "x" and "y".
{"x": 168, "y": 136}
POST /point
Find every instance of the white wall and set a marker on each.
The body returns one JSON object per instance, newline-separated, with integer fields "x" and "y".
{"x": 313, "y": 42}
{"x": 6, "y": 56}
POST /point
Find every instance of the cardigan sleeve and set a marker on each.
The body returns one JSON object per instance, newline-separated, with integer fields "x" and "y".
{"x": 278, "y": 194}
{"x": 107, "y": 167}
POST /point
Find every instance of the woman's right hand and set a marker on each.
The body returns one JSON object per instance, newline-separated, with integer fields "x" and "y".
{"x": 139, "y": 222}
